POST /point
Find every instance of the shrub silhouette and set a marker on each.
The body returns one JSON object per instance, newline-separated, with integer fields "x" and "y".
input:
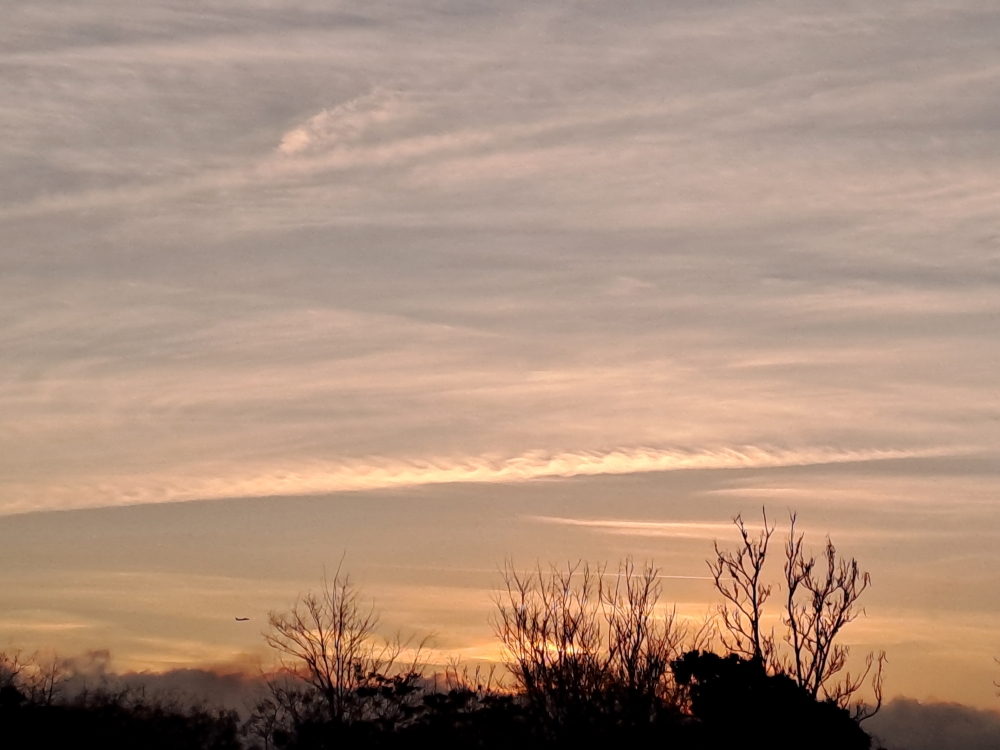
{"x": 586, "y": 648}
{"x": 737, "y": 701}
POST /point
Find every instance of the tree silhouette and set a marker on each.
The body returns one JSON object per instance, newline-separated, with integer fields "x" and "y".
{"x": 738, "y": 578}
{"x": 821, "y": 599}
{"x": 584, "y": 645}
{"x": 739, "y": 704}
{"x": 549, "y": 627}
{"x": 335, "y": 667}
{"x": 12, "y": 667}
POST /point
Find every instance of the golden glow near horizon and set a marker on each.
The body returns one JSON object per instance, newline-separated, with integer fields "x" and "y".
{"x": 440, "y": 283}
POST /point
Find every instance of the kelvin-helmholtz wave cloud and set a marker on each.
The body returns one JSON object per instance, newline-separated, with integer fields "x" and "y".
{"x": 215, "y": 480}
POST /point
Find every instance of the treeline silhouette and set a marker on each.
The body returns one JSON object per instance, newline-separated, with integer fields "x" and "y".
{"x": 591, "y": 656}
{"x": 111, "y": 720}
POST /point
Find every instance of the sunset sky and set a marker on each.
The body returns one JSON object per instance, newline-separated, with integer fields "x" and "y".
{"x": 431, "y": 283}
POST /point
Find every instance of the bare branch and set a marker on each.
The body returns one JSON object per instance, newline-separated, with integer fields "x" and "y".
{"x": 738, "y": 578}
{"x": 822, "y": 598}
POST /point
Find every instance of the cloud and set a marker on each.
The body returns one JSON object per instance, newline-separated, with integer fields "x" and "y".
{"x": 215, "y": 481}
{"x": 345, "y": 124}
{"x": 233, "y": 686}
{"x": 713, "y": 530}
{"x": 669, "y": 529}
{"x": 905, "y": 724}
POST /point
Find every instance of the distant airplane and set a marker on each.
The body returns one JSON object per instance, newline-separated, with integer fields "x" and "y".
{"x": 242, "y": 619}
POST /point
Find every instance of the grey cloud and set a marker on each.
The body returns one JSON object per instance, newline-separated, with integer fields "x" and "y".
{"x": 912, "y": 725}
{"x": 226, "y": 688}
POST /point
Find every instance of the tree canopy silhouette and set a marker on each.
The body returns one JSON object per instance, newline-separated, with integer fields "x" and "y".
{"x": 592, "y": 656}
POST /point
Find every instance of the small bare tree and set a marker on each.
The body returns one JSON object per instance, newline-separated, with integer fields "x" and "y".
{"x": 329, "y": 640}
{"x": 582, "y": 640}
{"x": 289, "y": 703}
{"x": 738, "y": 576}
{"x": 480, "y": 682}
{"x": 38, "y": 678}
{"x": 47, "y": 680}
{"x": 12, "y": 668}
{"x": 550, "y": 630}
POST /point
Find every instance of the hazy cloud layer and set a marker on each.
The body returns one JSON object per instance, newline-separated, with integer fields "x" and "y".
{"x": 333, "y": 232}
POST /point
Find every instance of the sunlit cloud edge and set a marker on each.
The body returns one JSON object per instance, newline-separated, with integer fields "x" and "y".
{"x": 214, "y": 482}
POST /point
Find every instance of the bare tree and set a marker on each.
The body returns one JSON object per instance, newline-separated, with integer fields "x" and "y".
{"x": 39, "y": 679}
{"x": 738, "y": 577}
{"x": 329, "y": 640}
{"x": 641, "y": 643}
{"x": 12, "y": 668}
{"x": 822, "y": 598}
{"x": 480, "y": 682}
{"x": 46, "y": 680}
{"x": 550, "y": 630}
{"x": 860, "y": 709}
{"x": 289, "y": 703}
{"x": 580, "y": 639}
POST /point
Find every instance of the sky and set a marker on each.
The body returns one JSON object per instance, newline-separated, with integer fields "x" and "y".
{"x": 429, "y": 284}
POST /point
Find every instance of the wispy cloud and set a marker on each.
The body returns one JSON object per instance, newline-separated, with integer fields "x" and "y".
{"x": 344, "y": 124}
{"x": 670, "y": 529}
{"x": 714, "y": 530}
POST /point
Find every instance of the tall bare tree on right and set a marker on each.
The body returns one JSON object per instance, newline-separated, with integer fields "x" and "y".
{"x": 822, "y": 598}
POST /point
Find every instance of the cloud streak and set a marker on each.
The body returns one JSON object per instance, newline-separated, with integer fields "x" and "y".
{"x": 215, "y": 481}
{"x": 668, "y": 529}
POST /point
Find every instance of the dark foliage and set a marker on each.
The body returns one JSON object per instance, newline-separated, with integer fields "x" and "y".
{"x": 462, "y": 720}
{"x": 112, "y": 722}
{"x": 735, "y": 698}
{"x": 733, "y": 702}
